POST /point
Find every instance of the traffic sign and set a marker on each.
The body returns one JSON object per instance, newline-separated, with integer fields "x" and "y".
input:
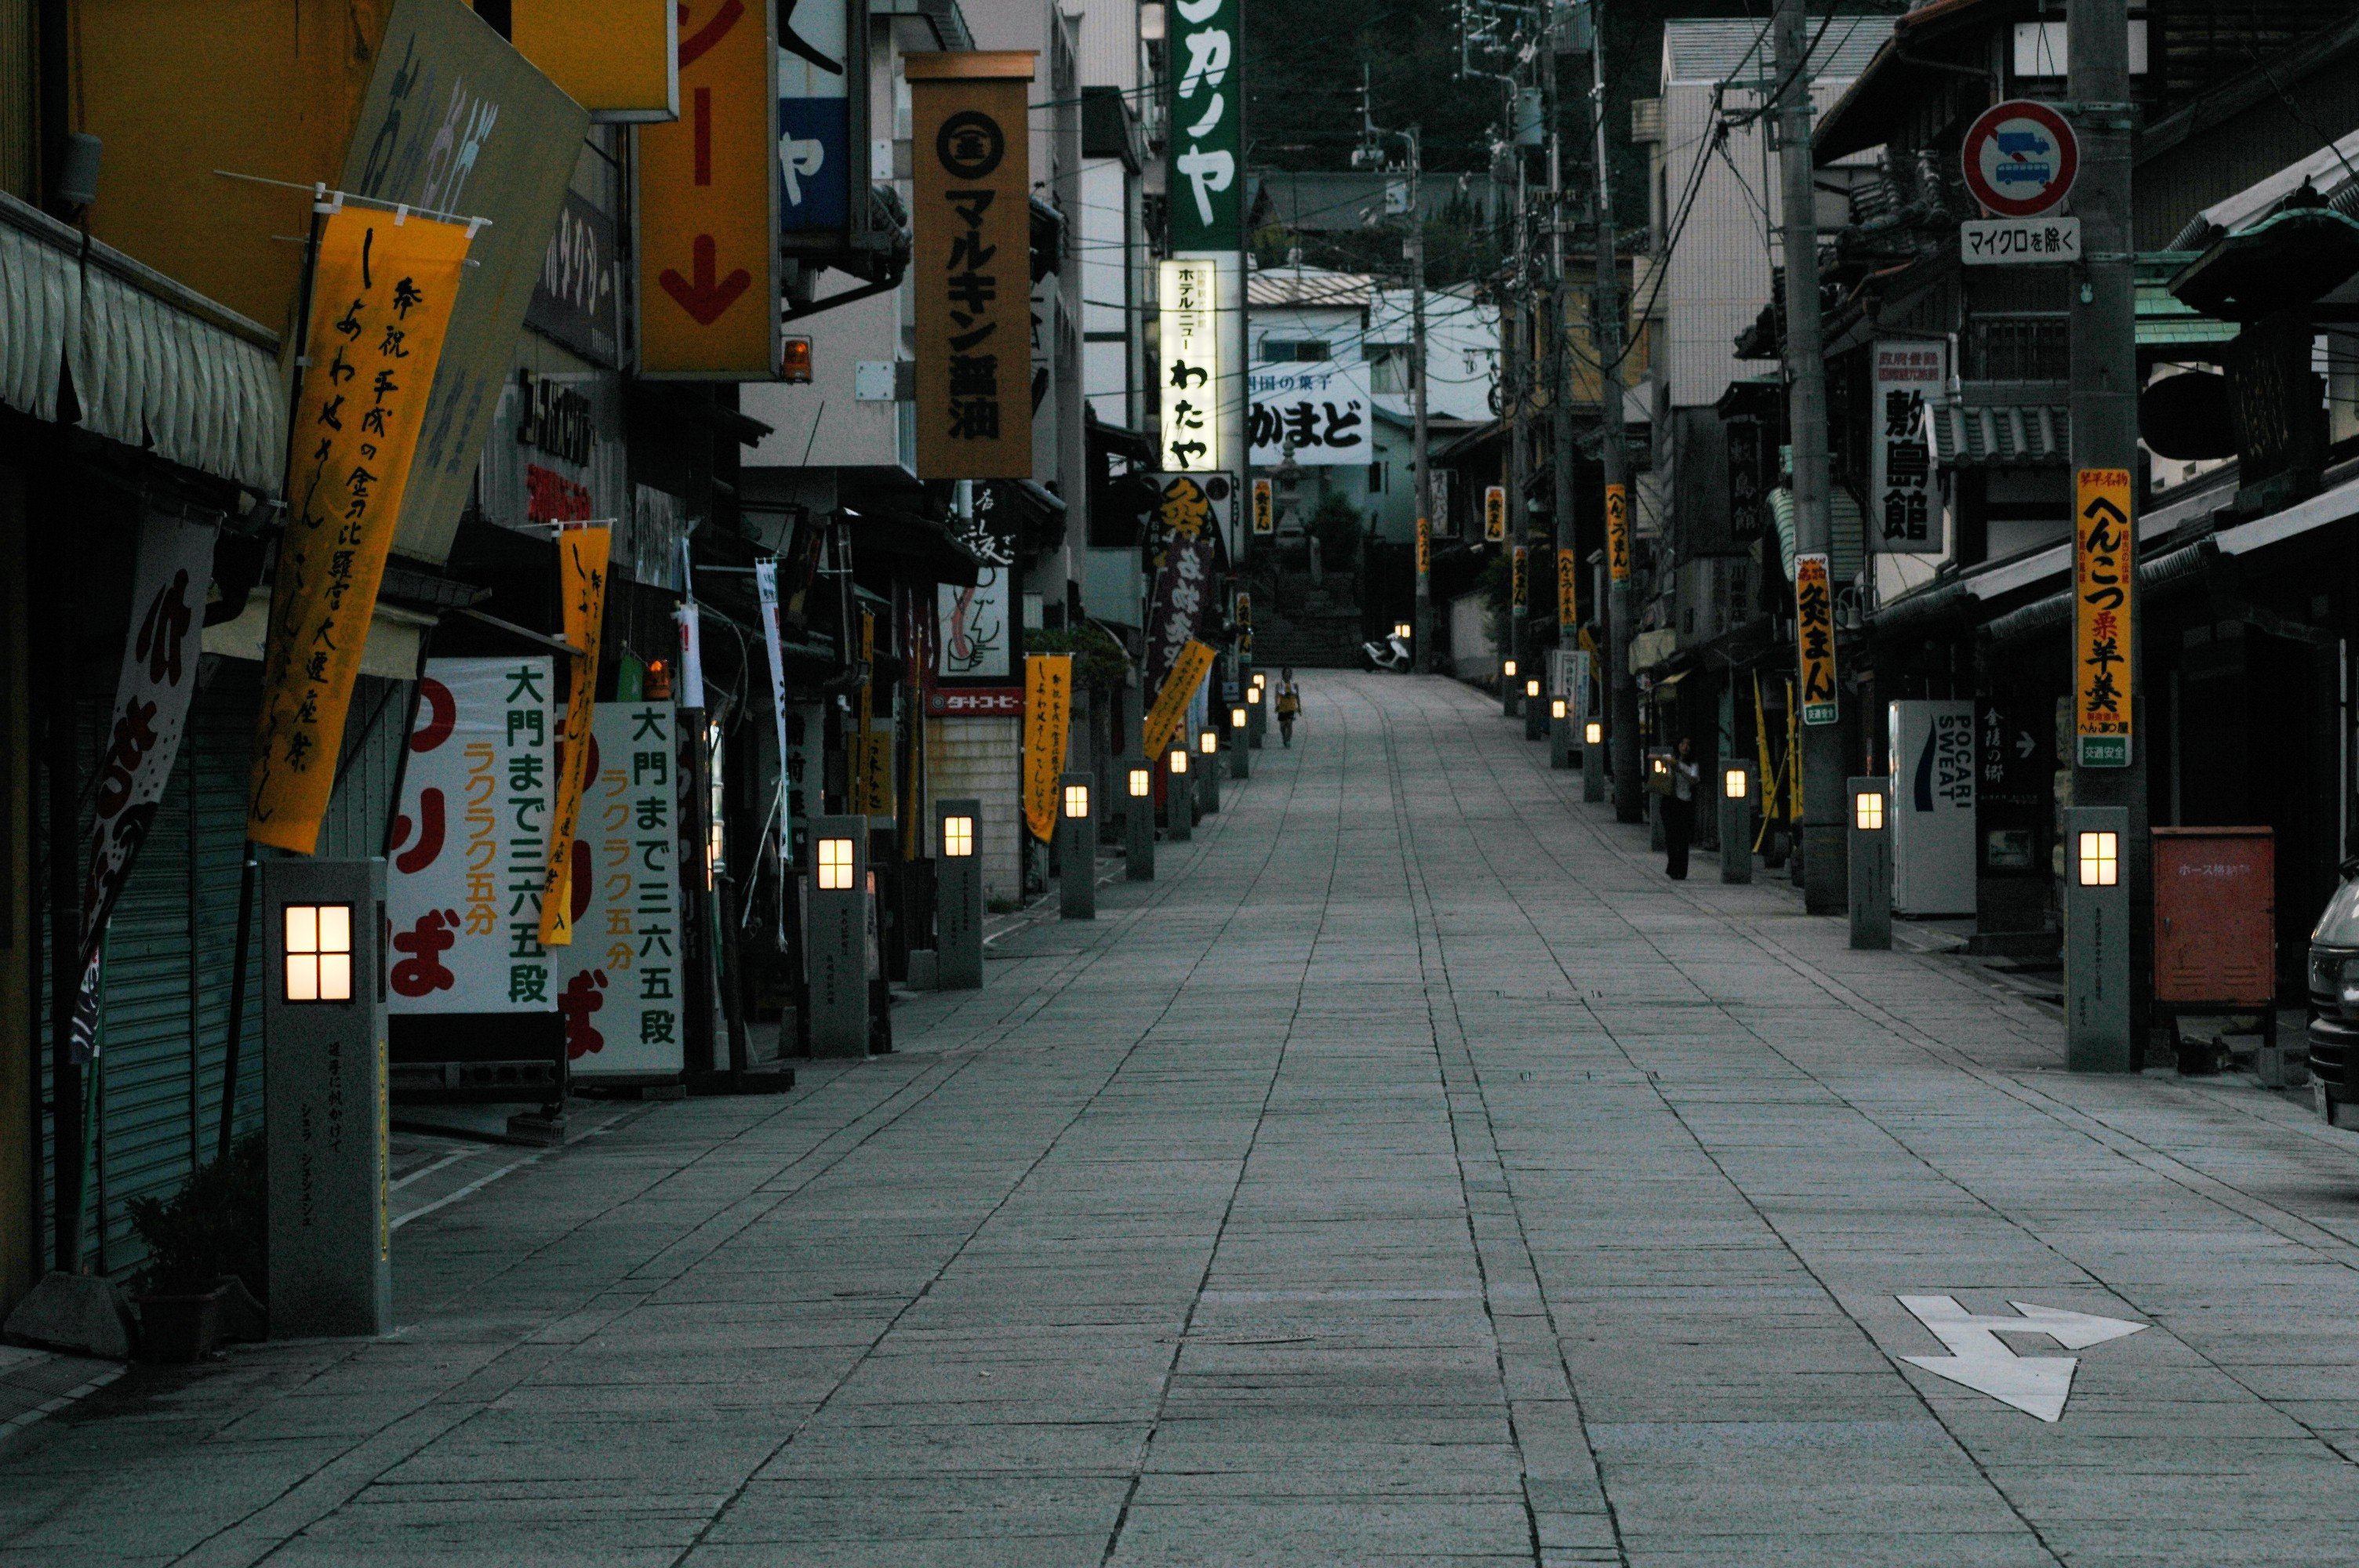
{"x": 2020, "y": 158}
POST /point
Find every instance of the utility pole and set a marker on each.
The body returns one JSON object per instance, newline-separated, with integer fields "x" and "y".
{"x": 1622, "y": 709}
{"x": 1514, "y": 318}
{"x": 1421, "y": 649}
{"x": 1825, "y": 873}
{"x": 1371, "y": 155}
{"x": 2104, "y": 388}
{"x": 1568, "y": 622}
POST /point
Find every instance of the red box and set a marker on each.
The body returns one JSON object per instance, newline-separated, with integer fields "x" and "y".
{"x": 2215, "y": 913}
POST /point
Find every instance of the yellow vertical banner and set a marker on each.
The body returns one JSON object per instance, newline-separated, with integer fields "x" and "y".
{"x": 1617, "y": 532}
{"x": 1519, "y": 585}
{"x": 2105, "y": 580}
{"x": 1424, "y": 546}
{"x": 581, "y": 558}
{"x": 1495, "y": 514}
{"x": 1814, "y": 630}
{"x": 1568, "y": 586}
{"x": 1163, "y": 719}
{"x": 1048, "y": 709}
{"x": 381, "y": 296}
{"x": 860, "y": 768}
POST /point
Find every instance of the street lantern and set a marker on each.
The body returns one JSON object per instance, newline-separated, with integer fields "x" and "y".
{"x": 1138, "y": 822}
{"x": 1535, "y": 715}
{"x": 2097, "y": 971}
{"x": 1507, "y": 668}
{"x": 1531, "y": 688}
{"x": 1507, "y": 688}
{"x": 835, "y": 944}
{"x": 1592, "y": 760}
{"x": 1736, "y": 822}
{"x": 1238, "y": 718}
{"x": 1556, "y": 709}
{"x": 1560, "y": 733}
{"x": 1240, "y": 743}
{"x": 1401, "y": 629}
{"x": 1178, "y": 798}
{"x": 1077, "y": 850}
{"x": 1207, "y": 777}
{"x": 958, "y": 897}
{"x": 1593, "y": 733}
{"x": 1208, "y": 741}
{"x": 1870, "y": 865}
{"x": 324, "y": 1096}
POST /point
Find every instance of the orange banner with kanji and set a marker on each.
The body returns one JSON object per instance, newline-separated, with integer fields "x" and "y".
{"x": 382, "y": 289}
{"x": 1047, "y": 710}
{"x": 581, "y": 557}
{"x": 1617, "y": 532}
{"x": 1170, "y": 709}
{"x": 708, "y": 233}
{"x": 1568, "y": 588}
{"x": 2104, "y": 580}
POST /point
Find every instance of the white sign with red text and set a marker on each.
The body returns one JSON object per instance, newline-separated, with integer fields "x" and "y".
{"x": 471, "y": 844}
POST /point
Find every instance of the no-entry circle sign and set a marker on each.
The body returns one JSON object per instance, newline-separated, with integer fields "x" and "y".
{"x": 2020, "y": 158}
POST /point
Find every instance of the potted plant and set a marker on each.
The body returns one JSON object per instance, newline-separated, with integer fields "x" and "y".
{"x": 207, "y": 1256}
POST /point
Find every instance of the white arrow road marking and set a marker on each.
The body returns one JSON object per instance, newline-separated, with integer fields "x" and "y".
{"x": 1978, "y": 1359}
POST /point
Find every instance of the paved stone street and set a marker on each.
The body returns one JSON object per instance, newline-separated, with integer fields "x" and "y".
{"x": 1411, "y": 1175}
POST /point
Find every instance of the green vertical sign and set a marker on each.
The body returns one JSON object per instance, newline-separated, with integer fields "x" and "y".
{"x": 1207, "y": 109}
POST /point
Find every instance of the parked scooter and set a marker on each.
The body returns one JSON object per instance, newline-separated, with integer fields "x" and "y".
{"x": 1389, "y": 653}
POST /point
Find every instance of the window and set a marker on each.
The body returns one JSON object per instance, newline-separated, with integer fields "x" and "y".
{"x": 1286, "y": 351}
{"x": 2100, "y": 859}
{"x": 319, "y": 952}
{"x": 2018, "y": 347}
{"x": 1377, "y": 478}
{"x": 835, "y": 865}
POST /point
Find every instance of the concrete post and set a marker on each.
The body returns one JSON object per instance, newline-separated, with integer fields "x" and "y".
{"x": 1178, "y": 797}
{"x": 1240, "y": 747}
{"x": 325, "y": 1101}
{"x": 1138, "y": 820}
{"x": 1208, "y": 770}
{"x": 1867, "y": 824}
{"x": 1561, "y": 723}
{"x": 958, "y": 894}
{"x": 836, "y": 957}
{"x": 1511, "y": 687}
{"x": 1536, "y": 709}
{"x": 2097, "y": 1003}
{"x": 1739, "y": 792}
{"x": 1592, "y": 759}
{"x": 1077, "y": 846}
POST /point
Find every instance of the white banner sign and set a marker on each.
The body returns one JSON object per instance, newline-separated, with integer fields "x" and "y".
{"x": 1905, "y": 508}
{"x": 619, "y": 985}
{"x": 2019, "y": 242}
{"x": 470, "y": 845}
{"x": 170, "y": 577}
{"x": 1322, "y": 407}
{"x": 1190, "y": 317}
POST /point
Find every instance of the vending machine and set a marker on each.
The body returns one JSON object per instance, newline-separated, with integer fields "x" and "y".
{"x": 1932, "y": 807}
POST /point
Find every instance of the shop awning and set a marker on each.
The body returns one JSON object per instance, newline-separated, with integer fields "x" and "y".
{"x": 2002, "y": 435}
{"x": 916, "y": 548}
{"x": 2290, "y": 259}
{"x": 155, "y": 365}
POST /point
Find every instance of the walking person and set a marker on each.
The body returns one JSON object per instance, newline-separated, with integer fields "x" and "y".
{"x": 1679, "y": 809}
{"x": 1289, "y": 705}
